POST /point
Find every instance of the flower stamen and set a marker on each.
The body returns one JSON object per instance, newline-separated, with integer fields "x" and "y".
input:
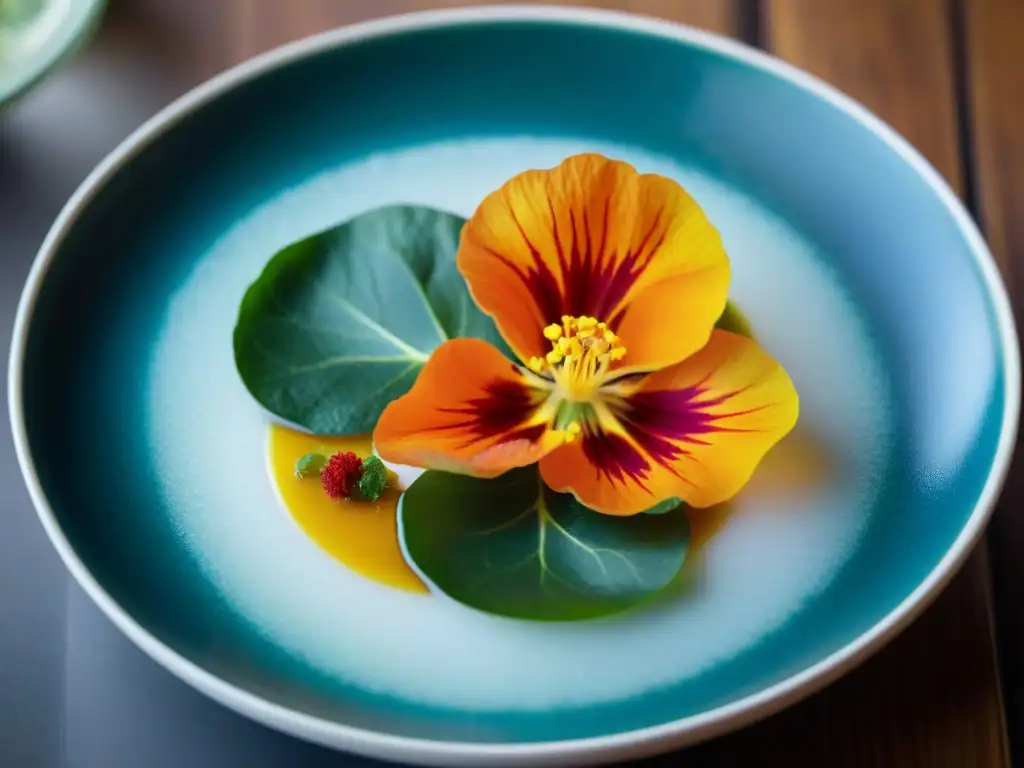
{"x": 582, "y": 350}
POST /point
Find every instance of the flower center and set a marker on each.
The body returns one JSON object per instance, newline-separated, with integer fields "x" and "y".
{"x": 582, "y": 351}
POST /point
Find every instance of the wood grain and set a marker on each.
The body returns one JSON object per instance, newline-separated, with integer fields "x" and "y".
{"x": 272, "y": 23}
{"x": 207, "y": 37}
{"x": 894, "y": 56}
{"x": 932, "y": 698}
{"x": 994, "y": 70}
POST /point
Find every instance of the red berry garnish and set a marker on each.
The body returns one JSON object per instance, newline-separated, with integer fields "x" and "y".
{"x": 341, "y": 475}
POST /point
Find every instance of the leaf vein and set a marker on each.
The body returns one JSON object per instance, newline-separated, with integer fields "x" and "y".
{"x": 360, "y": 317}
{"x": 503, "y": 526}
{"x": 340, "y": 361}
{"x": 577, "y": 542}
{"x": 442, "y": 335}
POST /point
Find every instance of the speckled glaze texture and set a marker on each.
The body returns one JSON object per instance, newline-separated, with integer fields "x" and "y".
{"x": 860, "y": 273}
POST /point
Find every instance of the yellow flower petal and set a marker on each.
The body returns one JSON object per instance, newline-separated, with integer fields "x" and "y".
{"x": 695, "y": 431}
{"x": 471, "y": 411}
{"x": 595, "y": 240}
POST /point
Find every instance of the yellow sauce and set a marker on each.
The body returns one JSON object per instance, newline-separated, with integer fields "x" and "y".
{"x": 362, "y": 535}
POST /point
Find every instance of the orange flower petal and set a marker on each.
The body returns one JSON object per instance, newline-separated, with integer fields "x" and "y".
{"x": 592, "y": 237}
{"x": 471, "y": 411}
{"x": 695, "y": 431}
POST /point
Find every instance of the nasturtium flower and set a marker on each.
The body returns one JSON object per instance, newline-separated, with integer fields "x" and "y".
{"x": 606, "y": 284}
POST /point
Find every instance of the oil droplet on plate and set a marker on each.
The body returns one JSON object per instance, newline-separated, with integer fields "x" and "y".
{"x": 362, "y": 535}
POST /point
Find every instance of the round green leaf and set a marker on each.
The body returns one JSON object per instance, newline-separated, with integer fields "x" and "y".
{"x": 339, "y": 324}
{"x": 512, "y": 546}
{"x": 665, "y": 506}
{"x": 735, "y": 321}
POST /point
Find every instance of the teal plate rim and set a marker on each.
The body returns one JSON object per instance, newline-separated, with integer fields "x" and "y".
{"x": 601, "y": 749}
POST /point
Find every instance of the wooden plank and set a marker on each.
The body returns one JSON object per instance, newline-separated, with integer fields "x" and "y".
{"x": 932, "y": 698}
{"x": 204, "y": 38}
{"x": 894, "y": 56}
{"x": 994, "y": 71}
{"x": 258, "y": 25}
{"x": 199, "y": 38}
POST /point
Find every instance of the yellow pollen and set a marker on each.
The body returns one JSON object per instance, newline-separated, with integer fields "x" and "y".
{"x": 571, "y": 432}
{"x": 582, "y": 350}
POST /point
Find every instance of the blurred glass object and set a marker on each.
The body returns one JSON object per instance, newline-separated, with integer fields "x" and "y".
{"x": 27, "y": 25}
{"x": 37, "y": 34}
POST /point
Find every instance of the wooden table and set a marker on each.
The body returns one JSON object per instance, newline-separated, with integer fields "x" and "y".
{"x": 949, "y": 77}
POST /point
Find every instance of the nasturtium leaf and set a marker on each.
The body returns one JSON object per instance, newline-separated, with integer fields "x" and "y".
{"x": 665, "y": 506}
{"x": 735, "y": 321}
{"x": 514, "y": 547}
{"x": 339, "y": 324}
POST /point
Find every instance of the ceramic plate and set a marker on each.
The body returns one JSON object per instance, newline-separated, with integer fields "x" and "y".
{"x": 148, "y": 458}
{"x": 35, "y": 35}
